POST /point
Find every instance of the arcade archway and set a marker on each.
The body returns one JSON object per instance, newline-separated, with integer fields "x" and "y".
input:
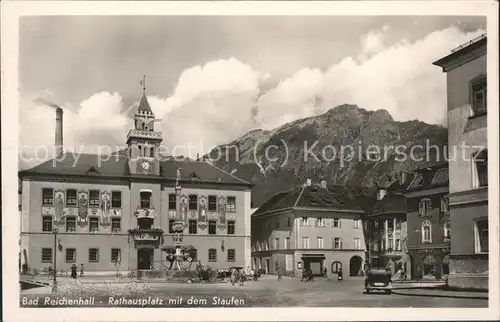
{"x": 355, "y": 265}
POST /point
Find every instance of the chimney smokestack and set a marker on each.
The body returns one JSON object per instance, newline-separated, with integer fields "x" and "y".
{"x": 59, "y": 131}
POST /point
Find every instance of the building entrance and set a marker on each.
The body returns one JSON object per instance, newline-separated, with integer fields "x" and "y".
{"x": 314, "y": 263}
{"x": 144, "y": 258}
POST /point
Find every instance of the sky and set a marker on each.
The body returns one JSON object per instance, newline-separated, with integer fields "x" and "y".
{"x": 212, "y": 79}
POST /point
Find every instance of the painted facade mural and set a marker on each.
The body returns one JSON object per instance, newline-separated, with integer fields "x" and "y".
{"x": 221, "y": 222}
{"x": 105, "y": 209}
{"x": 59, "y": 207}
{"x": 83, "y": 205}
{"x": 184, "y": 208}
{"x": 202, "y": 213}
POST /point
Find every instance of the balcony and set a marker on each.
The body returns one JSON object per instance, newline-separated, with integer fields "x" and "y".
{"x": 146, "y": 238}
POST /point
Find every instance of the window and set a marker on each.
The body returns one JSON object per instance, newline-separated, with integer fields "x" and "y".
{"x": 171, "y": 226}
{"x": 357, "y": 223}
{"x": 320, "y": 222}
{"x": 481, "y": 233}
{"x": 212, "y": 203}
{"x": 93, "y": 225}
{"x": 305, "y": 242}
{"x": 47, "y": 223}
{"x": 70, "y": 223}
{"x": 172, "y": 201}
{"x": 116, "y": 199}
{"x": 481, "y": 162}
{"x": 93, "y": 255}
{"x": 193, "y": 227}
{"x": 398, "y": 245}
{"x": 116, "y": 255}
{"x": 193, "y": 202}
{"x": 47, "y": 196}
{"x": 336, "y": 222}
{"x": 424, "y": 206}
{"x": 71, "y": 197}
{"x": 46, "y": 255}
{"x": 193, "y": 253}
{"x": 276, "y": 243}
{"x": 116, "y": 225}
{"x": 356, "y": 243}
{"x": 479, "y": 95}
{"x": 70, "y": 255}
{"x": 304, "y": 221}
{"x": 230, "y": 227}
{"x": 289, "y": 222}
{"x": 277, "y": 223}
{"x": 287, "y": 242}
{"x": 145, "y": 199}
{"x": 446, "y": 232}
{"x": 212, "y": 227}
{"x": 445, "y": 205}
{"x": 319, "y": 242}
{"x": 337, "y": 243}
{"x": 231, "y": 204}
{"x": 426, "y": 232}
{"x": 152, "y": 151}
{"x": 231, "y": 255}
{"x": 94, "y": 198}
{"x": 212, "y": 255}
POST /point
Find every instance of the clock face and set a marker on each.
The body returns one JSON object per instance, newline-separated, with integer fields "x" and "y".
{"x": 145, "y": 165}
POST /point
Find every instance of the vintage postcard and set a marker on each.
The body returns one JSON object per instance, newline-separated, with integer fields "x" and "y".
{"x": 289, "y": 161}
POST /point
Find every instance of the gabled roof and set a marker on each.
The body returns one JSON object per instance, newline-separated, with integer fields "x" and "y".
{"x": 398, "y": 187}
{"x": 389, "y": 204}
{"x": 144, "y": 106}
{"x": 334, "y": 197}
{"x": 116, "y": 166}
{"x": 430, "y": 177}
{"x": 204, "y": 171}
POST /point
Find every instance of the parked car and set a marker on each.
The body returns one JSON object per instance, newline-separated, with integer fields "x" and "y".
{"x": 378, "y": 280}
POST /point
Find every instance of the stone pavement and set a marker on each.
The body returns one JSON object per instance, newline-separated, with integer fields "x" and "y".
{"x": 266, "y": 292}
{"x": 441, "y": 293}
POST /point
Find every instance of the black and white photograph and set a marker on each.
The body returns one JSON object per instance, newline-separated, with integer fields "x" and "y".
{"x": 179, "y": 158}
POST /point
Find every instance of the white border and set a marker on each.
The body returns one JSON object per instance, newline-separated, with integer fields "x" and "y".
{"x": 11, "y": 10}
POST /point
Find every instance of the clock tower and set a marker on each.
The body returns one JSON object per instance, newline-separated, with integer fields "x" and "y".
{"x": 143, "y": 142}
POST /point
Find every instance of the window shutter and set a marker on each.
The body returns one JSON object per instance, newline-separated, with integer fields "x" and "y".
{"x": 429, "y": 206}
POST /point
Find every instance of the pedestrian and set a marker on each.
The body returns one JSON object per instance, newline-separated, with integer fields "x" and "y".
{"x": 279, "y": 274}
{"x": 324, "y": 272}
{"x": 304, "y": 275}
{"x": 73, "y": 271}
{"x": 234, "y": 276}
{"x": 81, "y": 270}
{"x": 311, "y": 277}
{"x": 340, "y": 275}
{"x": 242, "y": 276}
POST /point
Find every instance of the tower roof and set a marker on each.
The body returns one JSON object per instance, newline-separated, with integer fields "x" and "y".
{"x": 144, "y": 106}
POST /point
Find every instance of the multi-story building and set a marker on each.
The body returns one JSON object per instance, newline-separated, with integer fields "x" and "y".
{"x": 312, "y": 226}
{"x": 387, "y": 225}
{"x": 429, "y": 222}
{"x": 105, "y": 211}
{"x": 465, "y": 70}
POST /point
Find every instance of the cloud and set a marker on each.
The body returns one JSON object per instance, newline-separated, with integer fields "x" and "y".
{"x": 219, "y": 101}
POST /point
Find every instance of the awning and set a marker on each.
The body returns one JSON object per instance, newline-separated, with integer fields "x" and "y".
{"x": 322, "y": 256}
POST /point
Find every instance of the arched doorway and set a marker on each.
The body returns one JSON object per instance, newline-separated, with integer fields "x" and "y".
{"x": 429, "y": 265}
{"x": 445, "y": 265}
{"x": 336, "y": 267}
{"x": 355, "y": 265}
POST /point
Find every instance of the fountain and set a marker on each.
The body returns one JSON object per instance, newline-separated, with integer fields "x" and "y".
{"x": 178, "y": 253}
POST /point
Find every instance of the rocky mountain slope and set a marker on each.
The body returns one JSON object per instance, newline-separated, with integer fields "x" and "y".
{"x": 347, "y": 145}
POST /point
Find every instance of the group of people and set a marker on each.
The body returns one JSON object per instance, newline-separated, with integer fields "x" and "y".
{"x": 307, "y": 275}
{"x": 238, "y": 276}
{"x": 74, "y": 271}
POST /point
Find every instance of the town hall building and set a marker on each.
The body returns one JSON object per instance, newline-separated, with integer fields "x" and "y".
{"x": 116, "y": 212}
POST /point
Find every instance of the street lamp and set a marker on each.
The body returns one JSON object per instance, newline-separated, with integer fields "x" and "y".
{"x": 55, "y": 231}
